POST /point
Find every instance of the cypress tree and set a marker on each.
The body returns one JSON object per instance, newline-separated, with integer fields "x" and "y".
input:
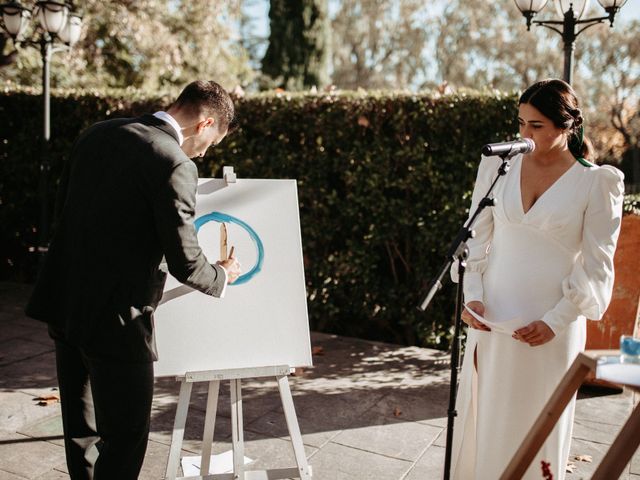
{"x": 298, "y": 52}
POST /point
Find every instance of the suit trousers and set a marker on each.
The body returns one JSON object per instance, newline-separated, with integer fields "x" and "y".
{"x": 106, "y": 410}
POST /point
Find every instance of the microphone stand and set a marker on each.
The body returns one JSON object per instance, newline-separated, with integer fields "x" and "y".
{"x": 459, "y": 251}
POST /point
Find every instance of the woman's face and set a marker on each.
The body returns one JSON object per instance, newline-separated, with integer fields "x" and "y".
{"x": 534, "y": 125}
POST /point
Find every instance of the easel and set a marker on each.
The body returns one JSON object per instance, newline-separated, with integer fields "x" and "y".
{"x": 235, "y": 376}
{"x": 618, "y": 455}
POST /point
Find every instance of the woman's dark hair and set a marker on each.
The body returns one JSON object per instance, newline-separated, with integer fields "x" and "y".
{"x": 557, "y": 101}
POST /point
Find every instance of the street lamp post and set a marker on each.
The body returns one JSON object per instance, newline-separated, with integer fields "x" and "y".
{"x": 57, "y": 29}
{"x": 572, "y": 24}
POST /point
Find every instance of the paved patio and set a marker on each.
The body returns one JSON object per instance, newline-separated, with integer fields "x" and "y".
{"x": 366, "y": 410}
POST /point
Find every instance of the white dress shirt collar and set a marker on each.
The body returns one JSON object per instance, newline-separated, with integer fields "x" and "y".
{"x": 171, "y": 121}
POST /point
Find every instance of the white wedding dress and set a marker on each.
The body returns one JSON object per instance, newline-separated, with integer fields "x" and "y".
{"x": 553, "y": 263}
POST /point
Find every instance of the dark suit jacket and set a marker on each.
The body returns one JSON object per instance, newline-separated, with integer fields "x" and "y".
{"x": 128, "y": 198}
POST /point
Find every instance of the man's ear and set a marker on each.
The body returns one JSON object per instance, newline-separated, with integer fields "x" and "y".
{"x": 206, "y": 123}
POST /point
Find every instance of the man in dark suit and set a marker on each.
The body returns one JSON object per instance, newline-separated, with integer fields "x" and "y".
{"x": 127, "y": 198}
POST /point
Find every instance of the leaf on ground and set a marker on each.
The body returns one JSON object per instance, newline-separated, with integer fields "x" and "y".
{"x": 571, "y": 467}
{"x": 397, "y": 412}
{"x": 46, "y": 400}
{"x": 583, "y": 458}
{"x": 298, "y": 372}
{"x": 317, "y": 351}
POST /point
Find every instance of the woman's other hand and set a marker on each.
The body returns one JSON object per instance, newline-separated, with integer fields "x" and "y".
{"x": 536, "y": 333}
{"x": 477, "y": 307}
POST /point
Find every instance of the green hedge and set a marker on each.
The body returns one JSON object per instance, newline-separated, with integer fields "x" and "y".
{"x": 631, "y": 204}
{"x": 384, "y": 182}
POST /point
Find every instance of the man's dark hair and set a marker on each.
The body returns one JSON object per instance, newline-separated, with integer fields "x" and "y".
{"x": 207, "y": 98}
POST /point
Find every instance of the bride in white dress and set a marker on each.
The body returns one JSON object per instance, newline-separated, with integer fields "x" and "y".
{"x": 542, "y": 259}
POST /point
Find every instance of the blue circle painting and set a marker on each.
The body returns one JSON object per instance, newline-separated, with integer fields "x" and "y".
{"x": 224, "y": 218}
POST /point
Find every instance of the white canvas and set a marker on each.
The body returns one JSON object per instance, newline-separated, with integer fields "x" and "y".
{"x": 262, "y": 320}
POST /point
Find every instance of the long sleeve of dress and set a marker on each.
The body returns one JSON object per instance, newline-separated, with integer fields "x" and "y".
{"x": 483, "y": 226}
{"x": 587, "y": 289}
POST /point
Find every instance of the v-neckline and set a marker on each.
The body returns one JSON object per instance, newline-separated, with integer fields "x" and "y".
{"x": 533, "y": 205}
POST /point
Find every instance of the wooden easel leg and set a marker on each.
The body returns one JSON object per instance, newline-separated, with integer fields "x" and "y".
{"x": 178, "y": 430}
{"x": 294, "y": 428}
{"x": 623, "y": 448}
{"x": 209, "y": 426}
{"x": 236, "y": 429}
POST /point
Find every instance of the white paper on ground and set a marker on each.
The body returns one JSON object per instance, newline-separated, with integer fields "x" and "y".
{"x": 222, "y": 463}
{"x": 507, "y": 327}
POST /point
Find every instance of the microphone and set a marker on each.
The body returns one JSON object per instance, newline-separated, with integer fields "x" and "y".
{"x": 509, "y": 149}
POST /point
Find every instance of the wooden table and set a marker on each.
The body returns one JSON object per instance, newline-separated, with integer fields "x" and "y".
{"x": 620, "y": 452}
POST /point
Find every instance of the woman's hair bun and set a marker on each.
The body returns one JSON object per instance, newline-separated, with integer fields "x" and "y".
{"x": 578, "y": 119}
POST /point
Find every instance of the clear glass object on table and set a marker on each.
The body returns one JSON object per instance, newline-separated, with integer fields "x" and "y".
{"x": 629, "y": 349}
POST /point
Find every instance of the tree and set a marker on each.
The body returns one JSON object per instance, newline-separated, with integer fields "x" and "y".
{"x": 253, "y": 37}
{"x": 380, "y": 44}
{"x": 486, "y": 44}
{"x": 148, "y": 44}
{"x": 298, "y": 52}
{"x": 614, "y": 91}
{"x": 5, "y": 58}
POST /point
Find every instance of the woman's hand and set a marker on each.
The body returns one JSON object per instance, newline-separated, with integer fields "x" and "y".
{"x": 536, "y": 333}
{"x": 470, "y": 320}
